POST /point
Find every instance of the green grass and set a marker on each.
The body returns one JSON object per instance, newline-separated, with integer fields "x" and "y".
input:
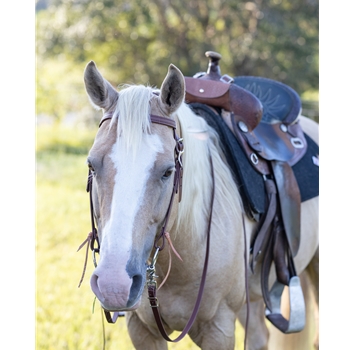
{"x": 64, "y": 318}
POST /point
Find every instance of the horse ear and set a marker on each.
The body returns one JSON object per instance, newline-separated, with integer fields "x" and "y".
{"x": 101, "y": 93}
{"x": 172, "y": 91}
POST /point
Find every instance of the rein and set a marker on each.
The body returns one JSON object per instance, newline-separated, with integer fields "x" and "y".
{"x": 152, "y": 284}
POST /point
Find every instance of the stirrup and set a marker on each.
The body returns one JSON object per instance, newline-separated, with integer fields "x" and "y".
{"x": 296, "y": 321}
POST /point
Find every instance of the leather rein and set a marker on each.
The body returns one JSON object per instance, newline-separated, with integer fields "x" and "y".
{"x": 159, "y": 243}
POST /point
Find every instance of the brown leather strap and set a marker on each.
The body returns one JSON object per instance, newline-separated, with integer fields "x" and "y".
{"x": 163, "y": 120}
{"x": 260, "y": 240}
{"x": 152, "y": 289}
{"x": 109, "y": 318}
{"x": 154, "y": 119}
{"x": 161, "y": 235}
{"x": 289, "y": 196}
{"x": 93, "y": 235}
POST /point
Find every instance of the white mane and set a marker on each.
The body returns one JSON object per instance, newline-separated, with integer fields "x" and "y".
{"x": 132, "y": 112}
{"x": 197, "y": 178}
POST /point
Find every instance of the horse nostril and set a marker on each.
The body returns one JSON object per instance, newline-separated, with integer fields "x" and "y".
{"x": 135, "y": 289}
{"x": 94, "y": 286}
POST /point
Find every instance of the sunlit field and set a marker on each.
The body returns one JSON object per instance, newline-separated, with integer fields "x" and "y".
{"x": 64, "y": 313}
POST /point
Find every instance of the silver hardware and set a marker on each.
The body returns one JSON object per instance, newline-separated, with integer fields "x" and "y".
{"x": 94, "y": 257}
{"x": 297, "y": 142}
{"x": 156, "y": 300}
{"x": 179, "y": 140}
{"x": 201, "y": 90}
{"x": 283, "y": 127}
{"x": 179, "y": 152}
{"x": 296, "y": 301}
{"x": 242, "y": 126}
{"x": 151, "y": 269}
{"x": 227, "y": 79}
{"x": 155, "y": 257}
{"x": 254, "y": 158}
{"x": 179, "y": 159}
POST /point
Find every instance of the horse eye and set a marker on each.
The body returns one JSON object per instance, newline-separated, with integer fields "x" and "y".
{"x": 168, "y": 173}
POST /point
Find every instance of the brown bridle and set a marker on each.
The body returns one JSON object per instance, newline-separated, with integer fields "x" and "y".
{"x": 159, "y": 241}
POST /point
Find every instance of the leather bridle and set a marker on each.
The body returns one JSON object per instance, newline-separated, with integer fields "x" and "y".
{"x": 159, "y": 242}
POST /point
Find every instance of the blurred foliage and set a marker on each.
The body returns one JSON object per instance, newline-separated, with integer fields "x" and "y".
{"x": 134, "y": 41}
{"x": 60, "y": 139}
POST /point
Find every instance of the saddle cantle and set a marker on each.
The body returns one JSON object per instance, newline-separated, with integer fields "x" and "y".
{"x": 279, "y": 133}
{"x": 262, "y": 114}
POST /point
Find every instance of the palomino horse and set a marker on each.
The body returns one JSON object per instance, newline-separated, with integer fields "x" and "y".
{"x": 133, "y": 165}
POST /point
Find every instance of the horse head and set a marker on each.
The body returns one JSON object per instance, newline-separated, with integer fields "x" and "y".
{"x": 133, "y": 167}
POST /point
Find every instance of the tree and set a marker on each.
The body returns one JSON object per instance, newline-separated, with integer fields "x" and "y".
{"x": 134, "y": 41}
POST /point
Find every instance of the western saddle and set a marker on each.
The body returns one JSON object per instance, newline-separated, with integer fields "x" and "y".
{"x": 262, "y": 114}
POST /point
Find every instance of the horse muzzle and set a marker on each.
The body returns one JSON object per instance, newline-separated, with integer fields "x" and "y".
{"x": 117, "y": 291}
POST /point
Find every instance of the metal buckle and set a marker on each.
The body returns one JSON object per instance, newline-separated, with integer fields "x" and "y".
{"x": 226, "y": 79}
{"x": 297, "y": 142}
{"x": 153, "y": 301}
{"x": 151, "y": 269}
{"x": 254, "y": 158}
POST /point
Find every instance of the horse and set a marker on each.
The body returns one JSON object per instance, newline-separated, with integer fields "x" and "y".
{"x": 133, "y": 164}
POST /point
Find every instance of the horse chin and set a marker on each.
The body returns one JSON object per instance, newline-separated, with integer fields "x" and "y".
{"x": 110, "y": 308}
{"x": 135, "y": 306}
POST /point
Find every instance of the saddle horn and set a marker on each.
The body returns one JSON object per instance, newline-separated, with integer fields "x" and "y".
{"x": 213, "y": 72}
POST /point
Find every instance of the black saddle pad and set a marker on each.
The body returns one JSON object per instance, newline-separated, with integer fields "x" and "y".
{"x": 250, "y": 182}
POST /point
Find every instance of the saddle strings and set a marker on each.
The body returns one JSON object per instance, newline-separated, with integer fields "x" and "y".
{"x": 167, "y": 236}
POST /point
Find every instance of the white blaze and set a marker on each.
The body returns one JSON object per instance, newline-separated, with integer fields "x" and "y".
{"x": 132, "y": 174}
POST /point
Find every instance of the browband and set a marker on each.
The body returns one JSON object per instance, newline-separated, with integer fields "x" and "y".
{"x": 154, "y": 119}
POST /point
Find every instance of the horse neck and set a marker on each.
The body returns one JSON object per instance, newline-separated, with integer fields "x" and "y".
{"x": 191, "y": 224}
